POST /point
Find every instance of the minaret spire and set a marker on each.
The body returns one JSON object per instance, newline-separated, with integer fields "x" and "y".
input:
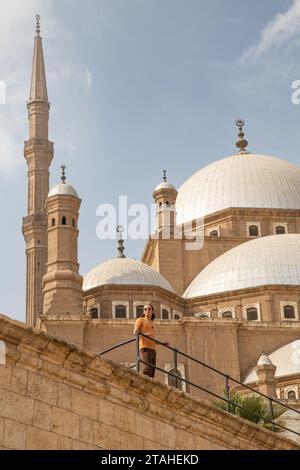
{"x": 121, "y": 248}
{"x": 37, "y": 29}
{"x": 38, "y": 89}
{"x": 63, "y": 174}
{"x": 241, "y": 143}
{"x": 38, "y": 153}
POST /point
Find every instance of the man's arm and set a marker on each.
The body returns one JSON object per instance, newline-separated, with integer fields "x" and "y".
{"x": 137, "y": 325}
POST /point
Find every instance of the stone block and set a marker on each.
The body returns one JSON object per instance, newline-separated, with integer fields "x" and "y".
{"x": 131, "y": 441}
{"x": 64, "y": 396}
{"x": 65, "y": 423}
{"x": 16, "y": 407}
{"x": 37, "y": 439}
{"x": 5, "y": 376}
{"x": 14, "y": 435}
{"x": 184, "y": 440}
{"x": 42, "y": 415}
{"x": 19, "y": 380}
{"x": 40, "y": 386}
{"x": 146, "y": 427}
{"x": 165, "y": 434}
{"x": 85, "y": 404}
{"x": 64, "y": 443}
{"x": 125, "y": 419}
{"x": 106, "y": 411}
{"x": 106, "y": 437}
{"x": 86, "y": 429}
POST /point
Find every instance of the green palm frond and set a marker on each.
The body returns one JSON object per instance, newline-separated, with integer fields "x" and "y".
{"x": 254, "y": 408}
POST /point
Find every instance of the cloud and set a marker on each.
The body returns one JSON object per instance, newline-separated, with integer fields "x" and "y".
{"x": 66, "y": 74}
{"x": 280, "y": 30}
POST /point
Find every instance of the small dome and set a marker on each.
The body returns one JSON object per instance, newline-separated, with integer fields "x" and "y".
{"x": 63, "y": 188}
{"x": 274, "y": 259}
{"x": 241, "y": 180}
{"x": 264, "y": 360}
{"x": 124, "y": 271}
{"x": 164, "y": 185}
{"x": 286, "y": 359}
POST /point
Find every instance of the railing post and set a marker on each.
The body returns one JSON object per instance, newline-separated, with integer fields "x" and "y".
{"x": 227, "y": 392}
{"x": 137, "y": 360}
{"x": 175, "y": 366}
{"x": 271, "y": 413}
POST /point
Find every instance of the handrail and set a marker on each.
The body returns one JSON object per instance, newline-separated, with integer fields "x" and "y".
{"x": 116, "y": 346}
{"x": 226, "y": 376}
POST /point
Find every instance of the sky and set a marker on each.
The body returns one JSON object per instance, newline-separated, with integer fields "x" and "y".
{"x": 138, "y": 86}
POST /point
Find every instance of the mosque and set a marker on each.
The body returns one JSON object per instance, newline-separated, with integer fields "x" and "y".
{"x": 233, "y": 303}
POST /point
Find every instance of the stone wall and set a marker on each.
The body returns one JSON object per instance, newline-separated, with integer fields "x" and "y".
{"x": 54, "y": 395}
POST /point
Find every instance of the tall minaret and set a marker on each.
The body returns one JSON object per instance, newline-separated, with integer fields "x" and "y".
{"x": 38, "y": 152}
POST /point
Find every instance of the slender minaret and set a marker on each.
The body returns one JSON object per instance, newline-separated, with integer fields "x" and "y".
{"x": 38, "y": 152}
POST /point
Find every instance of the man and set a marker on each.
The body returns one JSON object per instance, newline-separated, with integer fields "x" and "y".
{"x": 147, "y": 346}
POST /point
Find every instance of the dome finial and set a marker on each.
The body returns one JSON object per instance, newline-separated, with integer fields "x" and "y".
{"x": 63, "y": 174}
{"x": 37, "y": 27}
{"x": 164, "y": 176}
{"x": 241, "y": 143}
{"x": 121, "y": 248}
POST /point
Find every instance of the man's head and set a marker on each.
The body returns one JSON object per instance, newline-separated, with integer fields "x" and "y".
{"x": 148, "y": 312}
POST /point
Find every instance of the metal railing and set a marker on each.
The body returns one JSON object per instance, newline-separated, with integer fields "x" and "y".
{"x": 231, "y": 405}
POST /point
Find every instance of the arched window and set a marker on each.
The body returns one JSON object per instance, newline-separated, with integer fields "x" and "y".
{"x": 164, "y": 314}
{"x": 63, "y": 220}
{"x": 202, "y": 315}
{"x": 280, "y": 230}
{"x": 94, "y": 312}
{"x": 73, "y": 222}
{"x": 175, "y": 381}
{"x": 176, "y": 316}
{"x": 120, "y": 311}
{"x": 53, "y": 222}
{"x": 139, "y": 311}
{"x": 227, "y": 314}
{"x": 213, "y": 233}
{"x": 253, "y": 231}
{"x": 289, "y": 312}
{"x": 252, "y": 314}
{"x": 291, "y": 394}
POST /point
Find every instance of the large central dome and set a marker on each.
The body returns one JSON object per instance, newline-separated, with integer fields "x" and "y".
{"x": 242, "y": 180}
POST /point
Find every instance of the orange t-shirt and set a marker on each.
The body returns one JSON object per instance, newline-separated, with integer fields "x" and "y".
{"x": 147, "y": 328}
